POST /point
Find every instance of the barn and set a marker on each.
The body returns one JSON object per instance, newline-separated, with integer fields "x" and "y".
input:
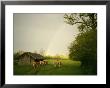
{"x": 28, "y": 58}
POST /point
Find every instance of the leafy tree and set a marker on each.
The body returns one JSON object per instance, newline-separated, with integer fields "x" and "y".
{"x": 84, "y": 48}
{"x": 16, "y": 56}
{"x": 85, "y": 21}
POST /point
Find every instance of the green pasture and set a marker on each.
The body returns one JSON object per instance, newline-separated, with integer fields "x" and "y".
{"x": 68, "y": 67}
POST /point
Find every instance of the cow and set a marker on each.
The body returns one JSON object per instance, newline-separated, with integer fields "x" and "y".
{"x": 44, "y": 62}
{"x": 57, "y": 63}
{"x": 39, "y": 62}
{"x": 36, "y": 63}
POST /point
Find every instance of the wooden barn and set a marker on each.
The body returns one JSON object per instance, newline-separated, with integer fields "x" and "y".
{"x": 28, "y": 58}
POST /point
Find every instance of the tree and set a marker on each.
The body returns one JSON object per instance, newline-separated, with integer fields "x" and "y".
{"x": 42, "y": 52}
{"x": 84, "y": 48}
{"x": 16, "y": 56}
{"x": 85, "y": 21}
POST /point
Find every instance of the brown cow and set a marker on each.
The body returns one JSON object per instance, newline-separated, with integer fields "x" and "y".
{"x": 35, "y": 64}
{"x": 57, "y": 63}
{"x": 44, "y": 62}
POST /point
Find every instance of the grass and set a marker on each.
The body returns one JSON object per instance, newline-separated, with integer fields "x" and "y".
{"x": 68, "y": 67}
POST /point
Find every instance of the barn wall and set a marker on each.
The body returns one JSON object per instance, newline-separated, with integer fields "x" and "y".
{"x": 25, "y": 60}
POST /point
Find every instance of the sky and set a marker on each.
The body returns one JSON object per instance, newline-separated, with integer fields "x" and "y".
{"x": 48, "y": 32}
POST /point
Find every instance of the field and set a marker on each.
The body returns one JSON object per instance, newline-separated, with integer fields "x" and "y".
{"x": 68, "y": 67}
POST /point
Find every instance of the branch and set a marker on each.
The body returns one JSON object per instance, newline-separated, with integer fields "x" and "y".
{"x": 78, "y": 22}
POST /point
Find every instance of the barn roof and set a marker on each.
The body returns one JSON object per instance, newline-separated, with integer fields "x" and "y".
{"x": 32, "y": 55}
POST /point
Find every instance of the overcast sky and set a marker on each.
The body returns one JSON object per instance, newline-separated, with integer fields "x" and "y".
{"x": 49, "y": 32}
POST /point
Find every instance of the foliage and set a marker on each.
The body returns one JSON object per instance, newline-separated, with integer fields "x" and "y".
{"x": 85, "y": 21}
{"x": 60, "y": 57}
{"x": 48, "y": 57}
{"x": 16, "y": 56}
{"x": 84, "y": 48}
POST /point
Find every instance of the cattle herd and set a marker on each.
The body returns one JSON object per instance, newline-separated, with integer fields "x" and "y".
{"x": 38, "y": 63}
